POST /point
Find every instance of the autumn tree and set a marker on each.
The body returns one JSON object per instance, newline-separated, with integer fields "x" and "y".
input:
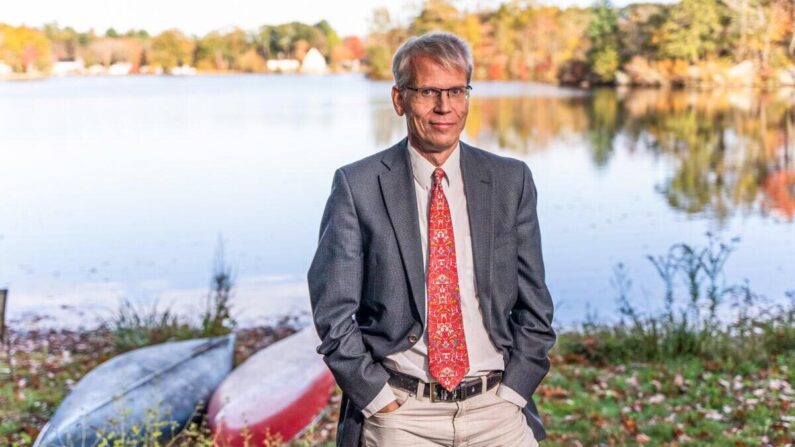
{"x": 107, "y": 51}
{"x": 763, "y": 29}
{"x": 637, "y": 24}
{"x": 691, "y": 30}
{"x": 435, "y": 15}
{"x": 171, "y": 49}
{"x": 330, "y": 37}
{"x": 24, "y": 49}
{"x": 66, "y": 43}
{"x": 384, "y": 38}
{"x": 224, "y": 51}
{"x": 603, "y": 56}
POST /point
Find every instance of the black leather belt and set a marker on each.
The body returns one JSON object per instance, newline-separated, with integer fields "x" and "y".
{"x": 433, "y": 390}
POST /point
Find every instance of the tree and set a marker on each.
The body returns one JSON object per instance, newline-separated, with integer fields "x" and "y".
{"x": 294, "y": 36}
{"x": 24, "y": 49}
{"x": 762, "y": 28}
{"x": 435, "y": 15}
{"x": 65, "y": 42}
{"x": 384, "y": 38}
{"x": 107, "y": 51}
{"x": 331, "y": 40}
{"x": 603, "y": 30}
{"x": 637, "y": 24}
{"x": 266, "y": 40}
{"x": 691, "y": 31}
{"x": 378, "y": 58}
{"x": 354, "y": 45}
{"x": 170, "y": 49}
{"x": 138, "y": 34}
{"x": 217, "y": 51}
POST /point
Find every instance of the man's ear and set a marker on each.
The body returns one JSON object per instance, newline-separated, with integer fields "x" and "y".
{"x": 397, "y": 101}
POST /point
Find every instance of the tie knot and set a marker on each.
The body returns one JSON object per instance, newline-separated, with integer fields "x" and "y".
{"x": 438, "y": 175}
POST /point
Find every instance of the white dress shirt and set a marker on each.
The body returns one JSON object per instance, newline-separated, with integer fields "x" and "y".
{"x": 483, "y": 355}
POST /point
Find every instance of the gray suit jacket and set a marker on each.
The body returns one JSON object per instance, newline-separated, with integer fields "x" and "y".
{"x": 367, "y": 282}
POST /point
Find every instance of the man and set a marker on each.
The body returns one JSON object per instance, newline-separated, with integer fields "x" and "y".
{"x": 427, "y": 286}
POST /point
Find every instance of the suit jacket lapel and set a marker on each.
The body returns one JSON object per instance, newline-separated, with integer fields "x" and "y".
{"x": 476, "y": 172}
{"x": 397, "y": 188}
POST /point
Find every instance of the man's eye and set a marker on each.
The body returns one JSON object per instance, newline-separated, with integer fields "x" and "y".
{"x": 456, "y": 91}
{"x": 428, "y": 92}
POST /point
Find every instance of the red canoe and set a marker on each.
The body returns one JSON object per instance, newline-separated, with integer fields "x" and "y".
{"x": 275, "y": 394}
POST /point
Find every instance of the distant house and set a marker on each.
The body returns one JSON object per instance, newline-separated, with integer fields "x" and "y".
{"x": 183, "y": 70}
{"x": 151, "y": 69}
{"x": 5, "y": 69}
{"x": 314, "y": 62}
{"x": 97, "y": 69}
{"x": 120, "y": 69}
{"x": 66, "y": 68}
{"x": 283, "y": 65}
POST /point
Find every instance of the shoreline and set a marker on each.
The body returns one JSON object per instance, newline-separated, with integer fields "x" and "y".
{"x": 582, "y": 400}
{"x": 696, "y": 85}
{"x": 31, "y": 324}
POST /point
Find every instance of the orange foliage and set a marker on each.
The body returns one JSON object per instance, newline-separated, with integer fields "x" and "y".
{"x": 779, "y": 189}
{"x": 355, "y": 47}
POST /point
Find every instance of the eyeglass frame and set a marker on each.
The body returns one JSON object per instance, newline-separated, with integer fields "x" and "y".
{"x": 467, "y": 91}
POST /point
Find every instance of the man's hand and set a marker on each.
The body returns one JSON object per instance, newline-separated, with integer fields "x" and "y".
{"x": 392, "y": 406}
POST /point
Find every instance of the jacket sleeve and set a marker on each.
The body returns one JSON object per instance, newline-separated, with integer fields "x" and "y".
{"x": 531, "y": 317}
{"x": 335, "y": 286}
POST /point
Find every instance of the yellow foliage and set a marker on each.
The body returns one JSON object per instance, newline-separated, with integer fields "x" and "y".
{"x": 252, "y": 62}
{"x": 24, "y": 49}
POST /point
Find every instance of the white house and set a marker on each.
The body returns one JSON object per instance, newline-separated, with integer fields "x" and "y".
{"x": 97, "y": 69}
{"x": 283, "y": 65}
{"x": 183, "y": 70}
{"x": 314, "y": 62}
{"x": 120, "y": 69}
{"x": 5, "y": 69}
{"x": 65, "y": 68}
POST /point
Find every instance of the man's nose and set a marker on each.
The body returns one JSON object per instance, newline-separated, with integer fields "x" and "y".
{"x": 443, "y": 103}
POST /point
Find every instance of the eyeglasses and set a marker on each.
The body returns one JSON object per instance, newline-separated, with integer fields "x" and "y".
{"x": 459, "y": 93}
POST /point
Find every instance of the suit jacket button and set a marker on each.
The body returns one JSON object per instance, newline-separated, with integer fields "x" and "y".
{"x": 413, "y": 338}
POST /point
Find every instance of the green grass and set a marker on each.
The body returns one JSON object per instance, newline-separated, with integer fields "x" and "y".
{"x": 684, "y": 401}
{"x": 680, "y": 376}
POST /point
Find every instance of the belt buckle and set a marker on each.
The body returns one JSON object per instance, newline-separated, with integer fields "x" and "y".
{"x": 446, "y": 396}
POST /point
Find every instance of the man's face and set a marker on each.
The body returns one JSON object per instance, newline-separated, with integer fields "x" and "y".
{"x": 434, "y": 124}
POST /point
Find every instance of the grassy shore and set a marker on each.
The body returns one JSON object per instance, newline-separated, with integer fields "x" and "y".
{"x": 680, "y": 401}
{"x": 677, "y": 377}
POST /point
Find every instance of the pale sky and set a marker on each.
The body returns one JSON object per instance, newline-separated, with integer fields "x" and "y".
{"x": 201, "y": 16}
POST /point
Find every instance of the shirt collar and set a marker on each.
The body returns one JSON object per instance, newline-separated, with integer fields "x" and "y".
{"x": 423, "y": 169}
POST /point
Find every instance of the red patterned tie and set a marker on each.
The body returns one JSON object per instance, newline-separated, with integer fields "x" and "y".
{"x": 448, "y": 360}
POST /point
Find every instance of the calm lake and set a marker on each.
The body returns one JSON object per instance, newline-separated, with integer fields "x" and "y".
{"x": 121, "y": 187}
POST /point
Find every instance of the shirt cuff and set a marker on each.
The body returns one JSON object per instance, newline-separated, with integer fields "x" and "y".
{"x": 384, "y": 398}
{"x": 511, "y": 396}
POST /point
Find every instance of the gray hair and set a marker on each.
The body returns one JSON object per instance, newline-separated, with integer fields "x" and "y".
{"x": 446, "y": 49}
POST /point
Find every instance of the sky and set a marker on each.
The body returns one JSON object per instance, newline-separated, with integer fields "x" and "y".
{"x": 347, "y": 17}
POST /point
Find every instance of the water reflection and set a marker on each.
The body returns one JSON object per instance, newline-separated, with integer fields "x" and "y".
{"x": 126, "y": 191}
{"x": 729, "y": 148}
{"x": 729, "y": 152}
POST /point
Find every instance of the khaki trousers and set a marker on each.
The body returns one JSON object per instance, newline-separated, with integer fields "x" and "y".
{"x": 485, "y": 420}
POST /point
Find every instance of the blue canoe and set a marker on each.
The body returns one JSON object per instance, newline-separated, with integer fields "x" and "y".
{"x": 154, "y": 388}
